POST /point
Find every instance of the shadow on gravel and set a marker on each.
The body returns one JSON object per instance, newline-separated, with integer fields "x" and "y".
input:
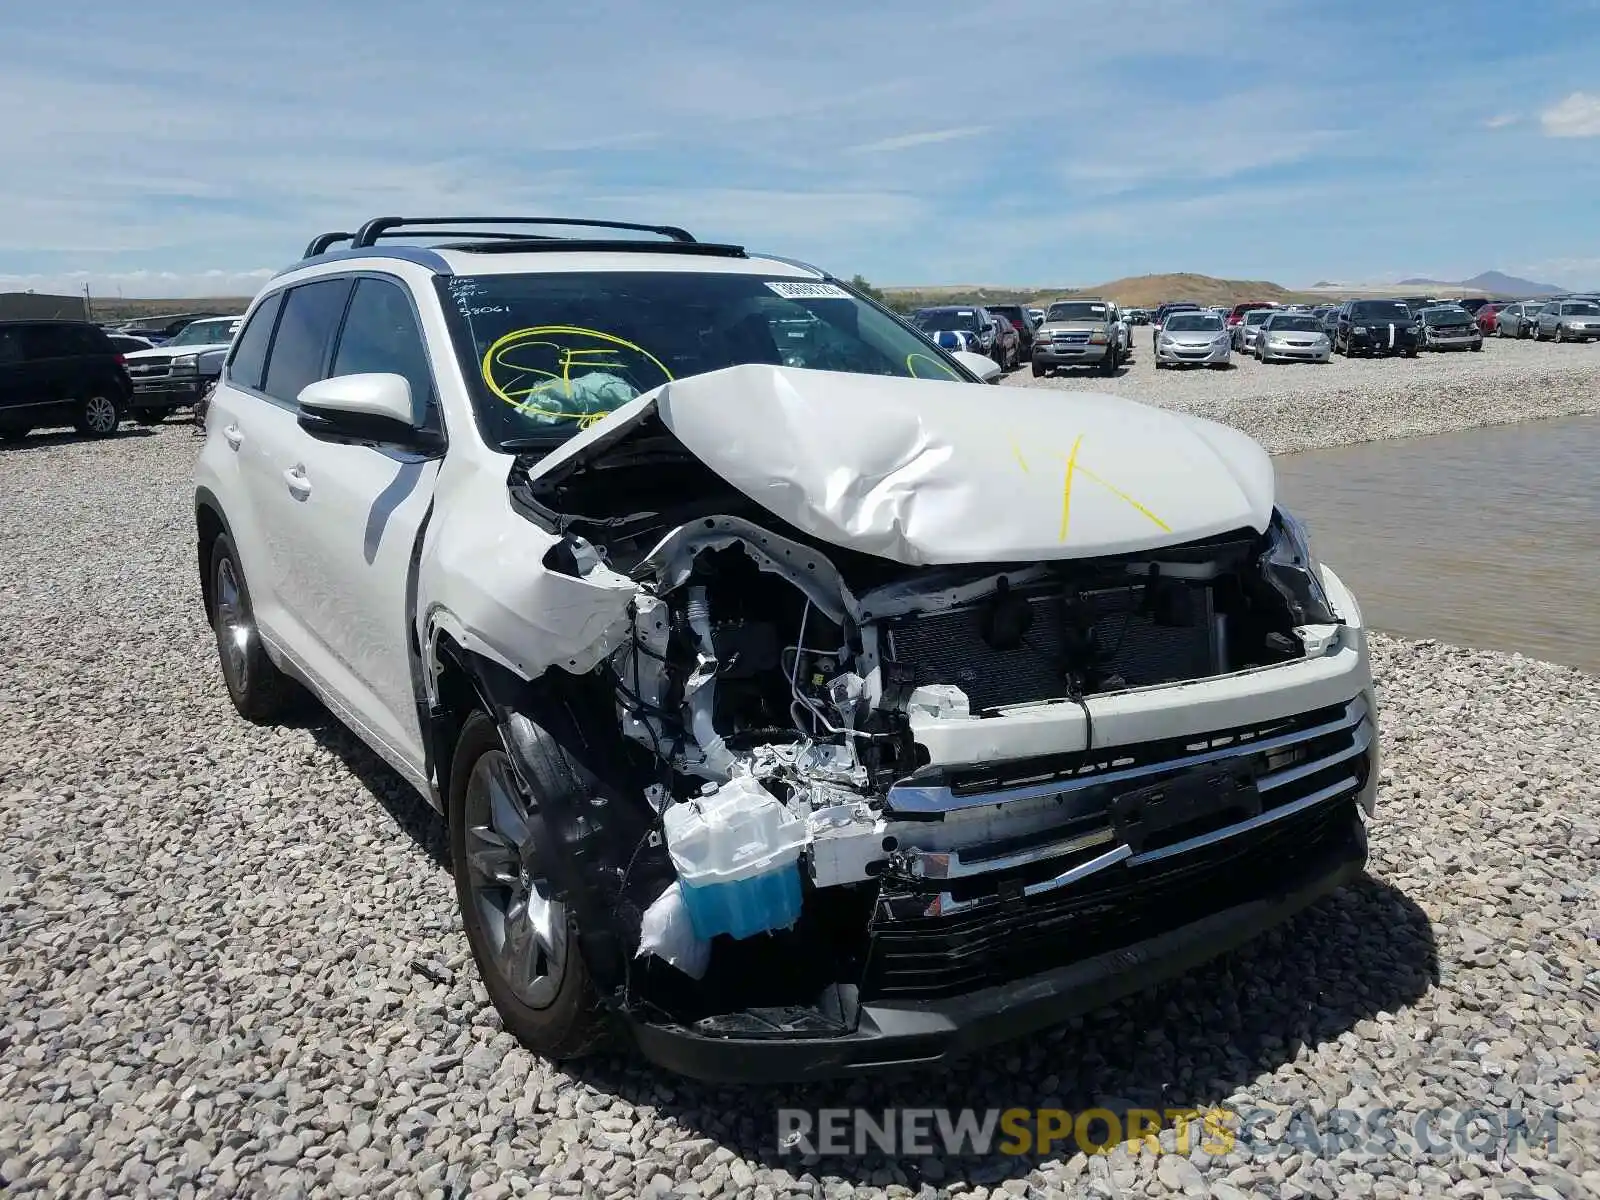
{"x": 400, "y": 800}
{"x": 1189, "y": 1043}
{"x": 68, "y": 437}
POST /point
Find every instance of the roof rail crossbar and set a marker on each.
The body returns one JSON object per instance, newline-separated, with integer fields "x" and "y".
{"x": 378, "y": 227}
{"x": 598, "y": 246}
{"x": 325, "y": 242}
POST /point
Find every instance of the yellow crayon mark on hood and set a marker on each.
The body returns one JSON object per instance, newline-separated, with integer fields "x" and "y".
{"x": 1066, "y": 488}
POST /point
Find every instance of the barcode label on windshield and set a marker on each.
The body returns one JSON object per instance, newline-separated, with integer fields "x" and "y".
{"x": 804, "y": 290}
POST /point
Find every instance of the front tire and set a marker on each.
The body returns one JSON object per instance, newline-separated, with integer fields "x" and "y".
{"x": 151, "y": 416}
{"x": 98, "y": 416}
{"x": 1038, "y": 370}
{"x": 14, "y": 435}
{"x": 523, "y": 941}
{"x": 259, "y": 691}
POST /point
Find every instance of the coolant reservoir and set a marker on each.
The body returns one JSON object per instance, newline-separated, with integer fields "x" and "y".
{"x": 737, "y": 854}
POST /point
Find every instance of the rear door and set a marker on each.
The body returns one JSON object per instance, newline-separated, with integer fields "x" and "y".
{"x": 271, "y": 462}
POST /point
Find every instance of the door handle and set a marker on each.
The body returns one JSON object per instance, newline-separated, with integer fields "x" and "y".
{"x": 299, "y": 485}
{"x": 234, "y": 435}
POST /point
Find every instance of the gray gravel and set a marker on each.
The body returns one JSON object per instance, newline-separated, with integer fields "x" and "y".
{"x": 1304, "y": 406}
{"x": 231, "y": 964}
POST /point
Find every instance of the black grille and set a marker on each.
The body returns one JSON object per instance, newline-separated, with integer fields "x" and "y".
{"x": 950, "y": 648}
{"x": 923, "y": 957}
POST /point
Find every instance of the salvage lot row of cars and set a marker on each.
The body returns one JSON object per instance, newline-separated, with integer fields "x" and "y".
{"x": 776, "y": 775}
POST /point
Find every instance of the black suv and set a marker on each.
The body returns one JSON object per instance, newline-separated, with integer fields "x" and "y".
{"x": 60, "y": 373}
{"x": 1373, "y": 327}
{"x": 1018, "y": 316}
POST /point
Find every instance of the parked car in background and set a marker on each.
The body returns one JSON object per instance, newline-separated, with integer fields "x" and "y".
{"x": 1417, "y": 303}
{"x": 1328, "y": 314}
{"x": 126, "y": 343}
{"x": 1022, "y": 322}
{"x": 1485, "y": 317}
{"x": 1292, "y": 335}
{"x": 1138, "y": 316}
{"x": 1123, "y": 329}
{"x": 1236, "y": 314}
{"x": 1449, "y": 327}
{"x": 1473, "y": 303}
{"x": 1038, "y": 316}
{"x": 969, "y": 327}
{"x": 162, "y": 328}
{"x": 1007, "y": 347}
{"x": 1248, "y": 328}
{"x": 1377, "y": 327}
{"x": 1568, "y": 321}
{"x": 178, "y": 372}
{"x": 1171, "y": 306}
{"x": 1077, "y": 333}
{"x": 59, "y": 373}
{"x": 1516, "y": 320}
{"x": 1193, "y": 339}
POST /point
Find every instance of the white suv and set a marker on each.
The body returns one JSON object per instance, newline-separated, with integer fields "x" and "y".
{"x": 796, "y": 707}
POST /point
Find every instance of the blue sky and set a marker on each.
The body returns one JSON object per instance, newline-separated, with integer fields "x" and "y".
{"x": 176, "y": 148}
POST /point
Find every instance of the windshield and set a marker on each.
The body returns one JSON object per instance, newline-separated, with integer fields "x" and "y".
{"x": 1076, "y": 310}
{"x": 1297, "y": 324}
{"x": 1193, "y": 323}
{"x": 205, "y": 333}
{"x": 549, "y": 354}
{"x": 1257, "y": 315}
{"x": 1380, "y": 310}
{"x": 963, "y": 319}
{"x": 1446, "y": 316}
{"x": 1582, "y": 309}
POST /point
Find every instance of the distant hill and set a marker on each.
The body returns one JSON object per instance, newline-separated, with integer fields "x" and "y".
{"x": 1139, "y": 291}
{"x": 1495, "y": 283}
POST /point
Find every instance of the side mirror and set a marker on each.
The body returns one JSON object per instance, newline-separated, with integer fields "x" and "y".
{"x": 981, "y": 365}
{"x": 373, "y": 407}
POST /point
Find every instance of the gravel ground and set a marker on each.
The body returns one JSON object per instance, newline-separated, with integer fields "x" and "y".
{"x": 1303, "y": 406}
{"x": 231, "y": 963}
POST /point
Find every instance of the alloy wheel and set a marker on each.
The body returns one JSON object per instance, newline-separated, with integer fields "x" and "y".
{"x": 235, "y": 628}
{"x": 526, "y": 931}
{"x": 100, "y": 415}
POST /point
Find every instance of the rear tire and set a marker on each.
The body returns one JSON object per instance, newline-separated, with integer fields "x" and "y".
{"x": 259, "y": 691}
{"x": 98, "y": 415}
{"x": 1038, "y": 370}
{"x": 532, "y": 968}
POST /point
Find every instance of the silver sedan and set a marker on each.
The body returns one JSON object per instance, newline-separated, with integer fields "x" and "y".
{"x": 1292, "y": 335}
{"x": 1193, "y": 338}
{"x": 1249, "y": 328}
{"x": 1516, "y": 320}
{"x": 1568, "y": 321}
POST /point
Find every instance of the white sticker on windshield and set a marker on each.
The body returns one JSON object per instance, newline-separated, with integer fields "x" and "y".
{"x": 797, "y": 289}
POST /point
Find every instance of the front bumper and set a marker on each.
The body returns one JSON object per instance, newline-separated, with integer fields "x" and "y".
{"x": 1378, "y": 341}
{"x": 1081, "y": 354}
{"x": 892, "y": 1035}
{"x": 1458, "y": 342}
{"x": 1313, "y": 353}
{"x": 168, "y": 391}
{"x": 1205, "y": 354}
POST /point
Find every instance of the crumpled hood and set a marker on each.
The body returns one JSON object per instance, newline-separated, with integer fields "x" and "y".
{"x": 926, "y": 472}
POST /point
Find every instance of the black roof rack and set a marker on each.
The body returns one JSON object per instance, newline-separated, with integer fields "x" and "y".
{"x": 381, "y": 228}
{"x": 369, "y": 233}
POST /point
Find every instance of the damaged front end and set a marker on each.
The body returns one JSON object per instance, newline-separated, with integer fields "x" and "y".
{"x": 882, "y": 812}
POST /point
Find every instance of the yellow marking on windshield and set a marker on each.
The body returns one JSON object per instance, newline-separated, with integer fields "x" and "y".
{"x": 911, "y": 366}
{"x": 563, "y": 358}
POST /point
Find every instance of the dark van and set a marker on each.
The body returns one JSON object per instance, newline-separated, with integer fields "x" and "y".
{"x": 60, "y": 373}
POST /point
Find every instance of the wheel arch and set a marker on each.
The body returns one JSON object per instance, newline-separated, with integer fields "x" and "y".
{"x": 209, "y": 524}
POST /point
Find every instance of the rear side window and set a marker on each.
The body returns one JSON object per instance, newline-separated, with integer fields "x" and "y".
{"x": 249, "y": 361}
{"x": 47, "y": 341}
{"x": 311, "y": 313}
{"x": 86, "y": 340}
{"x": 10, "y": 345}
{"x": 380, "y": 334}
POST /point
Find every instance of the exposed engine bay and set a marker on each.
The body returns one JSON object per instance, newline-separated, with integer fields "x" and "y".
{"x": 787, "y": 692}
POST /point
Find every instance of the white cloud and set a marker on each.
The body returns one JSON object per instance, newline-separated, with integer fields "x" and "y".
{"x": 1576, "y": 116}
{"x": 1501, "y": 120}
{"x": 908, "y": 141}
